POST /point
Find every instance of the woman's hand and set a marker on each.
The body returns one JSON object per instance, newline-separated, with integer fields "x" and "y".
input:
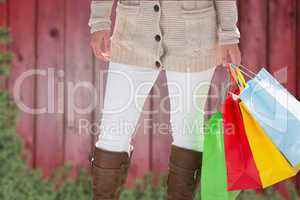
{"x": 231, "y": 54}
{"x": 100, "y": 44}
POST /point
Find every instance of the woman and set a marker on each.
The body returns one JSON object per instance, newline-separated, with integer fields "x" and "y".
{"x": 187, "y": 39}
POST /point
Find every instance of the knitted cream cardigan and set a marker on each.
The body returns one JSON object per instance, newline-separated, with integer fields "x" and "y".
{"x": 178, "y": 35}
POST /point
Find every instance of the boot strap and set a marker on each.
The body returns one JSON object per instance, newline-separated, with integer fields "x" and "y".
{"x": 183, "y": 171}
{"x": 123, "y": 168}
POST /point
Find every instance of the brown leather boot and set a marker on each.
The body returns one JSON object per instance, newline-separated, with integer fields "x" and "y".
{"x": 109, "y": 171}
{"x": 184, "y": 173}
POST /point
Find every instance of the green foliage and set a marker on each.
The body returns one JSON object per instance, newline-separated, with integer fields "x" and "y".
{"x": 269, "y": 195}
{"x": 6, "y": 56}
{"x": 145, "y": 191}
{"x": 8, "y": 111}
{"x": 4, "y": 36}
{"x": 5, "y": 60}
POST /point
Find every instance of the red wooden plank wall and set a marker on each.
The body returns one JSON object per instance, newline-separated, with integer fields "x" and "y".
{"x": 22, "y": 19}
{"x": 298, "y": 70}
{"x": 50, "y": 53}
{"x": 3, "y": 22}
{"x": 53, "y": 35}
{"x": 77, "y": 54}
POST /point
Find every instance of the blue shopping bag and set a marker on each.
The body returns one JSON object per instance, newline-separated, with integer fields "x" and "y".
{"x": 277, "y": 112}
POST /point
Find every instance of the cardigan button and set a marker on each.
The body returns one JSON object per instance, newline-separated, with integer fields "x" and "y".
{"x": 156, "y": 8}
{"x": 157, "y": 63}
{"x": 157, "y": 38}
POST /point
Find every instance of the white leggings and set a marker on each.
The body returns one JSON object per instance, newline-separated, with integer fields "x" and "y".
{"x": 127, "y": 88}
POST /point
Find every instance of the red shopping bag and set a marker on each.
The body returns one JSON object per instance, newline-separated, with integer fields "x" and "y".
{"x": 242, "y": 172}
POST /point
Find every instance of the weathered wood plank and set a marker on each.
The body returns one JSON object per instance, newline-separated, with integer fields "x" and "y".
{"x": 50, "y": 60}
{"x": 161, "y": 129}
{"x": 22, "y": 20}
{"x": 3, "y": 14}
{"x": 80, "y": 87}
{"x": 3, "y": 48}
{"x": 253, "y": 28}
{"x": 282, "y": 40}
{"x": 298, "y": 50}
{"x": 298, "y": 75}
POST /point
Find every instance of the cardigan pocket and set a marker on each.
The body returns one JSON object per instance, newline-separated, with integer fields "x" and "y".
{"x": 125, "y": 24}
{"x": 200, "y": 29}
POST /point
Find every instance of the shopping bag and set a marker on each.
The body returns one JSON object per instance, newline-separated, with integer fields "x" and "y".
{"x": 241, "y": 169}
{"x": 214, "y": 177}
{"x": 277, "y": 112}
{"x": 271, "y": 164}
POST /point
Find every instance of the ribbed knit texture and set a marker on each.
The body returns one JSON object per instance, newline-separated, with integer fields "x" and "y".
{"x": 100, "y": 15}
{"x": 191, "y": 32}
{"x": 228, "y": 17}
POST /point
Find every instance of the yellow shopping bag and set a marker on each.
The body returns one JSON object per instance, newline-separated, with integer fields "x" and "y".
{"x": 271, "y": 164}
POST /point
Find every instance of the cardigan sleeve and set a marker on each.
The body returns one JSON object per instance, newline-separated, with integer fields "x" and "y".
{"x": 100, "y": 12}
{"x": 228, "y": 32}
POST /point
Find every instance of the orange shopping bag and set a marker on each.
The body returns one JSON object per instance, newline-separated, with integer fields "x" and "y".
{"x": 271, "y": 164}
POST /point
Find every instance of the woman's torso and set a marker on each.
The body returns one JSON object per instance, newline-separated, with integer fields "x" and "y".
{"x": 178, "y": 34}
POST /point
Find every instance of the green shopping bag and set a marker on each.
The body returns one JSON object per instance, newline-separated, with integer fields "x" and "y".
{"x": 214, "y": 173}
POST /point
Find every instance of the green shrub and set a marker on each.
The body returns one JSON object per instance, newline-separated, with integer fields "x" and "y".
{"x": 6, "y": 56}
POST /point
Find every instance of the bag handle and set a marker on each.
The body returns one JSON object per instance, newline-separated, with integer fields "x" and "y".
{"x": 234, "y": 75}
{"x": 237, "y": 75}
{"x": 241, "y": 77}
